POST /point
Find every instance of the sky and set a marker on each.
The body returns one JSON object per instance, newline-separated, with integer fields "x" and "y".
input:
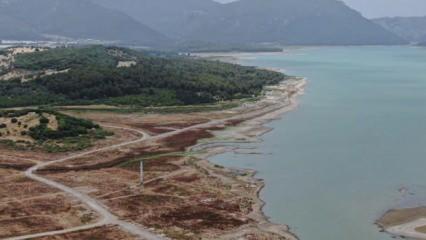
{"x": 385, "y": 8}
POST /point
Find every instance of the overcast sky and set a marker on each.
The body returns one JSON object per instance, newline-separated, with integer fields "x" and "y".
{"x": 381, "y": 8}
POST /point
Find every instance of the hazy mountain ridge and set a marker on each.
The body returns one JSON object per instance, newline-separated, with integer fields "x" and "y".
{"x": 171, "y": 17}
{"x": 12, "y": 28}
{"x": 148, "y": 22}
{"x": 300, "y": 22}
{"x": 294, "y": 22}
{"x": 79, "y": 19}
{"x": 412, "y": 29}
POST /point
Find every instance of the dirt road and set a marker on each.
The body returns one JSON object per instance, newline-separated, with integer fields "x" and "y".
{"x": 107, "y": 218}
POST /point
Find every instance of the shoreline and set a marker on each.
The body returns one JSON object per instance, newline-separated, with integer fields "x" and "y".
{"x": 251, "y": 131}
{"x": 232, "y": 57}
{"x": 237, "y": 57}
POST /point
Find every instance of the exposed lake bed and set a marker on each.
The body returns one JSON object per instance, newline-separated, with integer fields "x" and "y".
{"x": 354, "y": 148}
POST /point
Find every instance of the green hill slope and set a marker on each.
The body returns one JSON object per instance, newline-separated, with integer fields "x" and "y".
{"x": 92, "y": 75}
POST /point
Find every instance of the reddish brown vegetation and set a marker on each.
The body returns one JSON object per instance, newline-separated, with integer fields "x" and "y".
{"x": 101, "y": 182}
{"x": 29, "y": 207}
{"x": 187, "y": 178}
{"x": 153, "y": 128}
{"x": 17, "y": 165}
{"x": 102, "y": 160}
{"x": 21, "y": 187}
{"x": 222, "y": 205}
{"x": 47, "y": 206}
{"x": 179, "y": 142}
{"x": 160, "y": 165}
{"x": 170, "y": 189}
{"x": 101, "y": 233}
{"x": 234, "y": 122}
{"x": 27, "y": 225}
{"x": 196, "y": 219}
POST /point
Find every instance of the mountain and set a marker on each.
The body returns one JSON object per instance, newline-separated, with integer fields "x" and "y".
{"x": 12, "y": 28}
{"x": 412, "y": 29}
{"x": 79, "y": 19}
{"x": 171, "y": 17}
{"x": 294, "y": 22}
{"x": 155, "y": 22}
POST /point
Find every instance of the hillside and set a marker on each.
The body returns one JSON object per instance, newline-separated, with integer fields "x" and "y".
{"x": 294, "y": 22}
{"x": 171, "y": 17}
{"x": 412, "y": 29}
{"x": 116, "y": 76}
{"x": 14, "y": 29}
{"x": 21, "y": 19}
{"x": 160, "y": 23}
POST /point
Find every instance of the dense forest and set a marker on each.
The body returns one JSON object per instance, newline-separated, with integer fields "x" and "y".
{"x": 92, "y": 76}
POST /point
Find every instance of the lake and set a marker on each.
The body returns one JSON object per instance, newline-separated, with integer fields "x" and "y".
{"x": 336, "y": 163}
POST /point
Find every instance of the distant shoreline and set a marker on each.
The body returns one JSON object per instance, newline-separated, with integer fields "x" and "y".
{"x": 232, "y": 57}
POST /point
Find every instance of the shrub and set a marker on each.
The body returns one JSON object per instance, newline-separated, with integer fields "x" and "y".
{"x": 44, "y": 120}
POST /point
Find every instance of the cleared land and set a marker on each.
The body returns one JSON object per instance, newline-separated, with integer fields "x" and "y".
{"x": 28, "y": 207}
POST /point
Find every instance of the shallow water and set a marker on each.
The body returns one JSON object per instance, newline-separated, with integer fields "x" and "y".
{"x": 335, "y": 164}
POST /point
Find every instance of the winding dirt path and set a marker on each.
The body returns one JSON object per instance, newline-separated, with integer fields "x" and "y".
{"x": 107, "y": 218}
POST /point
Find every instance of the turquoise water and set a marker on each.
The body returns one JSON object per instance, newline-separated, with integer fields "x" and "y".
{"x": 336, "y": 163}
